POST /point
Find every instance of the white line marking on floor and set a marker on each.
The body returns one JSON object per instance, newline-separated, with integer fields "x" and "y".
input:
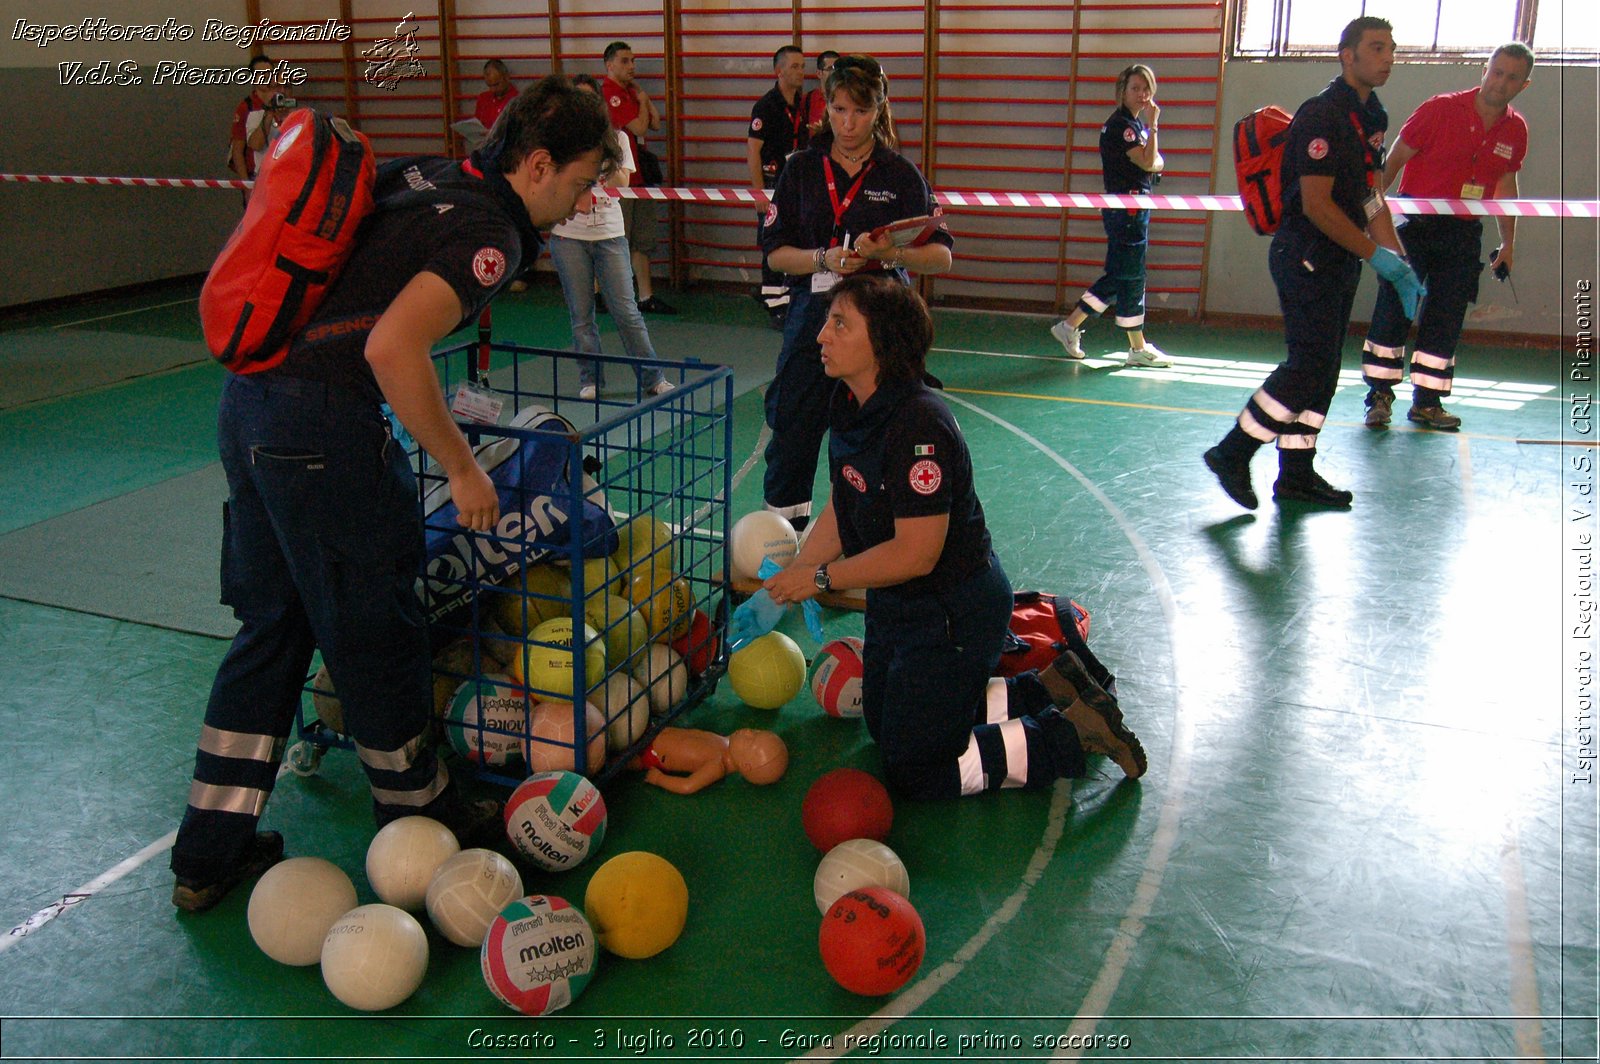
{"x": 1464, "y": 449}
{"x": 125, "y": 313}
{"x": 1166, "y": 834}
{"x": 77, "y": 897}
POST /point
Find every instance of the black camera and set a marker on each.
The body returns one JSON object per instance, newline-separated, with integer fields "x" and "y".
{"x": 1500, "y": 270}
{"x": 280, "y": 102}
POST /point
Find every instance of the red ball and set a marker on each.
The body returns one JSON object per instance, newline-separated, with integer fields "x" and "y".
{"x": 697, "y": 647}
{"x": 872, "y": 941}
{"x": 846, "y": 804}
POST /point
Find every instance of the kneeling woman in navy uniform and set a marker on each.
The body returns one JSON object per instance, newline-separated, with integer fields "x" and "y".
{"x": 904, "y": 522}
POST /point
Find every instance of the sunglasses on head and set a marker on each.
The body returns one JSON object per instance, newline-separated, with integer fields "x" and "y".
{"x": 864, "y": 63}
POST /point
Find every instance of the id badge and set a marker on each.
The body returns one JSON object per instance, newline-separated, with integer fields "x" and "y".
{"x": 1470, "y": 191}
{"x": 1374, "y": 205}
{"x": 824, "y": 281}
{"x": 477, "y": 404}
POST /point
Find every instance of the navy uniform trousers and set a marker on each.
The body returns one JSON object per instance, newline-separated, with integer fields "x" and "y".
{"x": 944, "y": 726}
{"x": 1445, "y": 252}
{"x": 1316, "y": 282}
{"x": 322, "y": 547}
{"x": 797, "y": 408}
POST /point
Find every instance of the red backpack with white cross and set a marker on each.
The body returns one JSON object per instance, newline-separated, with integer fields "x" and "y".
{"x": 1258, "y": 142}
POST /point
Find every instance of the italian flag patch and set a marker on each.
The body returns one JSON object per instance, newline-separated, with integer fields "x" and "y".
{"x": 923, "y": 450}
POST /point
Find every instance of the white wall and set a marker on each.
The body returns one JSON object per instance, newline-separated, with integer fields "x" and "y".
{"x": 1561, "y": 114}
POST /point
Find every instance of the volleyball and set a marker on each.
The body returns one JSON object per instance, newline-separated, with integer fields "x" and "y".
{"x": 547, "y": 661}
{"x": 468, "y": 891}
{"x": 553, "y": 741}
{"x": 488, "y": 719}
{"x": 858, "y": 863}
{"x": 666, "y": 602}
{"x": 294, "y": 904}
{"x": 698, "y": 646}
{"x": 757, "y": 536}
{"x": 625, "y": 707}
{"x": 872, "y": 941}
{"x": 624, "y": 630}
{"x": 555, "y": 819}
{"x": 768, "y": 671}
{"x": 638, "y": 903}
{"x": 404, "y": 855}
{"x": 836, "y": 677}
{"x": 374, "y": 957}
{"x": 538, "y": 954}
{"x": 528, "y": 598}
{"x": 643, "y": 542}
{"x": 664, "y": 677}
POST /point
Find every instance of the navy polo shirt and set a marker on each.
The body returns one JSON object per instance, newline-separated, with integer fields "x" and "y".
{"x": 1335, "y": 135}
{"x": 801, "y": 214}
{"x": 903, "y": 455}
{"x": 780, "y": 127}
{"x": 433, "y": 216}
{"x": 1120, "y": 135}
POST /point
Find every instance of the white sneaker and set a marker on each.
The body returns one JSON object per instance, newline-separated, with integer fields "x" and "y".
{"x": 1149, "y": 357}
{"x": 1071, "y": 339}
{"x": 662, "y": 387}
{"x": 587, "y": 392}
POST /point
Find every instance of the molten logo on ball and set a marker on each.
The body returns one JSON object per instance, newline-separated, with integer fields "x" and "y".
{"x": 538, "y": 954}
{"x": 556, "y": 819}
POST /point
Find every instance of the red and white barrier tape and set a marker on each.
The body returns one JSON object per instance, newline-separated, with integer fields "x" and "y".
{"x": 744, "y": 197}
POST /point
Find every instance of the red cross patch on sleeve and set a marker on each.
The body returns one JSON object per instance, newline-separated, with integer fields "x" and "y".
{"x": 926, "y": 476}
{"x": 488, "y": 266}
{"x": 1317, "y": 149}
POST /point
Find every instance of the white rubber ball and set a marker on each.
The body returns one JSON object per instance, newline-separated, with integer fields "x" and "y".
{"x": 294, "y": 904}
{"x": 374, "y": 957}
{"x": 403, "y": 857}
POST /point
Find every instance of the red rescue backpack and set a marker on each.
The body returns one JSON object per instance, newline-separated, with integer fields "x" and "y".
{"x": 314, "y": 189}
{"x": 1043, "y": 626}
{"x": 1258, "y": 143}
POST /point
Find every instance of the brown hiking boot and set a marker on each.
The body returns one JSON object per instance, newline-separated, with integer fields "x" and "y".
{"x": 1094, "y": 714}
{"x": 196, "y": 896}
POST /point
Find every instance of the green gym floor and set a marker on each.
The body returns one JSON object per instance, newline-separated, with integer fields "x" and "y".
{"x": 1366, "y": 832}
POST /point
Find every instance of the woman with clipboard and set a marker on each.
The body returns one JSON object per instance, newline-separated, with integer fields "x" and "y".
{"x": 833, "y": 214}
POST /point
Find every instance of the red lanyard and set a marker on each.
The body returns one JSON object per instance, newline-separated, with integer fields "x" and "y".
{"x": 839, "y": 207}
{"x": 799, "y": 118}
{"x": 1366, "y": 147}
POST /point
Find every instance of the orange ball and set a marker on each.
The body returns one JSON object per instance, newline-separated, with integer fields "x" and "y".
{"x": 846, "y": 804}
{"x": 697, "y": 647}
{"x": 872, "y": 941}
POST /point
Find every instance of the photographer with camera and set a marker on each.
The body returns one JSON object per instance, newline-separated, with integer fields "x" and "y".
{"x": 262, "y": 126}
{"x": 243, "y": 154}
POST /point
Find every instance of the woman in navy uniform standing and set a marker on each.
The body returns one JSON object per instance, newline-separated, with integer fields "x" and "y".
{"x": 1130, "y": 164}
{"x": 904, "y": 521}
{"x": 828, "y": 200}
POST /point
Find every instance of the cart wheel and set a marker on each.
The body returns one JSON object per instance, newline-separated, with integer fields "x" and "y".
{"x": 305, "y": 758}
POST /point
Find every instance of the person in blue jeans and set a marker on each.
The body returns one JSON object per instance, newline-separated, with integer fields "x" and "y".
{"x": 322, "y": 538}
{"x": 1130, "y": 164}
{"x": 591, "y": 247}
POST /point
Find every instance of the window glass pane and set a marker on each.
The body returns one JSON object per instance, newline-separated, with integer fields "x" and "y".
{"x": 1565, "y": 27}
{"x": 1414, "y": 21}
{"x": 1476, "y": 25}
{"x": 1316, "y": 26}
{"x": 1255, "y": 27}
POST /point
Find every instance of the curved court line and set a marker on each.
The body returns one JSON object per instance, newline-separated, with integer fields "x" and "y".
{"x": 1131, "y": 926}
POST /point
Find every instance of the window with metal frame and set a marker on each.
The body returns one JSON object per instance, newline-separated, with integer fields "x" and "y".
{"x": 1558, "y": 30}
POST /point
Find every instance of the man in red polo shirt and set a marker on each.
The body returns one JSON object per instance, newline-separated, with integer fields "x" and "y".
{"x": 499, "y": 92}
{"x": 634, "y": 115}
{"x": 1457, "y": 145}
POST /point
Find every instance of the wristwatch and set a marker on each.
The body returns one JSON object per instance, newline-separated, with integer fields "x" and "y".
{"x": 821, "y": 579}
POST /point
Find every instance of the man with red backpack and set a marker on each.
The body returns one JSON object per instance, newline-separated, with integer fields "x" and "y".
{"x": 1334, "y": 218}
{"x": 322, "y": 534}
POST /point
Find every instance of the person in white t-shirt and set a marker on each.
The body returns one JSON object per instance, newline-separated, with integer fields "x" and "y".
{"x": 589, "y": 247}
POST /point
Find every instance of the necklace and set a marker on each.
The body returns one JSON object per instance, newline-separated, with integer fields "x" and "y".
{"x": 852, "y": 159}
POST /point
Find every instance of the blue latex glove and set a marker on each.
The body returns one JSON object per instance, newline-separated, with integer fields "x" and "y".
{"x": 755, "y": 617}
{"x": 1398, "y": 272}
{"x": 810, "y": 609}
